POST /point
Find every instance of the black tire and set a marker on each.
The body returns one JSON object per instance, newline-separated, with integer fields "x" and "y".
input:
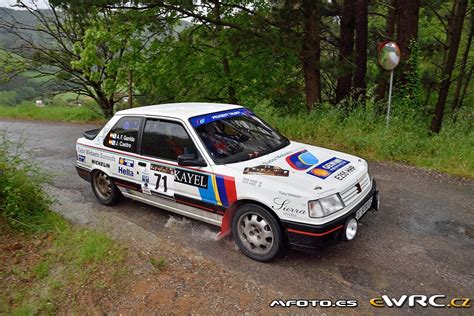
{"x": 257, "y": 233}
{"x": 109, "y": 196}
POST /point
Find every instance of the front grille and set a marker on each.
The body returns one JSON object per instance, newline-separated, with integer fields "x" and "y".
{"x": 356, "y": 190}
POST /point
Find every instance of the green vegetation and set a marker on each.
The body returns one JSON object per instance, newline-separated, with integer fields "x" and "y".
{"x": 50, "y": 260}
{"x": 364, "y": 133}
{"x": 29, "y": 111}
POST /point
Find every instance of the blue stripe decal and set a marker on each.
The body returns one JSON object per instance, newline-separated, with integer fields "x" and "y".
{"x": 207, "y": 194}
{"x": 222, "y": 192}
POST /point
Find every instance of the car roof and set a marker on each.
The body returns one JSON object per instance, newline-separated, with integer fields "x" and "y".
{"x": 179, "y": 110}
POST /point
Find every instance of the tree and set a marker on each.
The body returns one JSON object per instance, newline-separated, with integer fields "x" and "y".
{"x": 361, "y": 39}
{"x": 455, "y": 30}
{"x": 87, "y": 52}
{"x": 457, "y": 100}
{"x": 346, "y": 50}
{"x": 407, "y": 32}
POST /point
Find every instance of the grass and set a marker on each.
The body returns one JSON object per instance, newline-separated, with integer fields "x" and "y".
{"x": 28, "y": 111}
{"x": 46, "y": 262}
{"x": 364, "y": 134}
{"x": 50, "y": 276}
{"x": 361, "y": 133}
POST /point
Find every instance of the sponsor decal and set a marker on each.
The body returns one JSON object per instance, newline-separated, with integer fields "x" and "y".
{"x": 282, "y": 205}
{"x": 208, "y": 118}
{"x": 162, "y": 169}
{"x": 289, "y": 194}
{"x": 267, "y": 170}
{"x": 345, "y": 173}
{"x": 277, "y": 157}
{"x": 100, "y": 163}
{"x": 81, "y": 158}
{"x": 437, "y": 300}
{"x": 221, "y": 191}
{"x": 302, "y": 160}
{"x": 125, "y": 171}
{"x": 127, "y": 162}
{"x": 325, "y": 169}
{"x": 314, "y": 303}
{"x": 93, "y": 153}
{"x": 252, "y": 182}
{"x": 192, "y": 178}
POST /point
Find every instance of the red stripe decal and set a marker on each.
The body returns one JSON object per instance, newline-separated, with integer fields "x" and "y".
{"x": 314, "y": 234}
{"x": 229, "y": 183}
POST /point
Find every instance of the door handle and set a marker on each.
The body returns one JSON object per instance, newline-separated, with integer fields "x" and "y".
{"x": 142, "y": 164}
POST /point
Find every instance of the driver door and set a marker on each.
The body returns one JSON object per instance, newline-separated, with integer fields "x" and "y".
{"x": 163, "y": 141}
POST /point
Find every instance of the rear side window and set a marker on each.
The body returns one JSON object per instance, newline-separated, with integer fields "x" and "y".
{"x": 124, "y": 135}
{"x": 166, "y": 140}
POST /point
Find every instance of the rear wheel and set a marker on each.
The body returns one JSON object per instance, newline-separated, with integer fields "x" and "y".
{"x": 257, "y": 232}
{"x": 104, "y": 189}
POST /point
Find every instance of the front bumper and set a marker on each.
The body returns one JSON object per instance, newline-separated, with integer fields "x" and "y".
{"x": 307, "y": 236}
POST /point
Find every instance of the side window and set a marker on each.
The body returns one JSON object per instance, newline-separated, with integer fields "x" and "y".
{"x": 165, "y": 139}
{"x": 124, "y": 135}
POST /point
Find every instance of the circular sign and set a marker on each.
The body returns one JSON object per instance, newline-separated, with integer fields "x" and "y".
{"x": 389, "y": 55}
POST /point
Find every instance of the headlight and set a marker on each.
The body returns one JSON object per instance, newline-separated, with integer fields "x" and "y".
{"x": 325, "y": 206}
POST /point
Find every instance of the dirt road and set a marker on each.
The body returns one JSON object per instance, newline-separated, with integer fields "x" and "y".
{"x": 421, "y": 242}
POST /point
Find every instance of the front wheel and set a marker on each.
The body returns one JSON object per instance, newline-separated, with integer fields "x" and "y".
{"x": 104, "y": 189}
{"x": 257, "y": 232}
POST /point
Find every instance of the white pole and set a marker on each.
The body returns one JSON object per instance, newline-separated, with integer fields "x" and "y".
{"x": 389, "y": 98}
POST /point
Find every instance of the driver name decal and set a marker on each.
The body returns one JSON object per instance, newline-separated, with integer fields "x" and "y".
{"x": 191, "y": 178}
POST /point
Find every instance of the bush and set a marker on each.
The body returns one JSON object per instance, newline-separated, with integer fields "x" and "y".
{"x": 23, "y": 202}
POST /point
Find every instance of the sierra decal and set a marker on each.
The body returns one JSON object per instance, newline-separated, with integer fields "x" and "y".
{"x": 192, "y": 178}
{"x": 302, "y": 160}
{"x": 325, "y": 169}
{"x": 221, "y": 191}
{"x": 266, "y": 170}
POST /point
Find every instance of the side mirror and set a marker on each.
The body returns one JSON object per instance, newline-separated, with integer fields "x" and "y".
{"x": 191, "y": 160}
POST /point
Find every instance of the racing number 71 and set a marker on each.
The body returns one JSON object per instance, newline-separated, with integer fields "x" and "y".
{"x": 165, "y": 186}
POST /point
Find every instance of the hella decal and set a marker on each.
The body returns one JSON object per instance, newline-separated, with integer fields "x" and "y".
{"x": 125, "y": 171}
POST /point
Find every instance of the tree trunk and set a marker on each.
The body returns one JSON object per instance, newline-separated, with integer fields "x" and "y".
{"x": 360, "y": 84}
{"x": 458, "y": 14}
{"x": 407, "y": 30}
{"x": 310, "y": 54}
{"x": 390, "y": 26}
{"x": 230, "y": 87}
{"x": 462, "y": 70}
{"x": 346, "y": 50}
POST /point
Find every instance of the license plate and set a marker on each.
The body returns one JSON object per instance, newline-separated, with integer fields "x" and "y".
{"x": 364, "y": 208}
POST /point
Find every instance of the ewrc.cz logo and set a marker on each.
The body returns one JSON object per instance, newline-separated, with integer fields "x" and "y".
{"x": 420, "y": 300}
{"x": 314, "y": 303}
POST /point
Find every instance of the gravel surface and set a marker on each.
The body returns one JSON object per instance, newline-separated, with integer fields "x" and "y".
{"x": 421, "y": 242}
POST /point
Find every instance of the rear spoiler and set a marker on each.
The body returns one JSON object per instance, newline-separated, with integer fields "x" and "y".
{"x": 92, "y": 133}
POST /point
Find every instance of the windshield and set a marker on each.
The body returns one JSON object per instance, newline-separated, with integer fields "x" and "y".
{"x": 236, "y": 135}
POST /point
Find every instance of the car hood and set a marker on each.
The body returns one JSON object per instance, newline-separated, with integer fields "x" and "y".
{"x": 306, "y": 168}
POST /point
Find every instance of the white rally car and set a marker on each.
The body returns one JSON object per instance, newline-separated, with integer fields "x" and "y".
{"x": 221, "y": 164}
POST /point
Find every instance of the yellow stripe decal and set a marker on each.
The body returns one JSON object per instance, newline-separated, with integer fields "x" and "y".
{"x": 216, "y": 190}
